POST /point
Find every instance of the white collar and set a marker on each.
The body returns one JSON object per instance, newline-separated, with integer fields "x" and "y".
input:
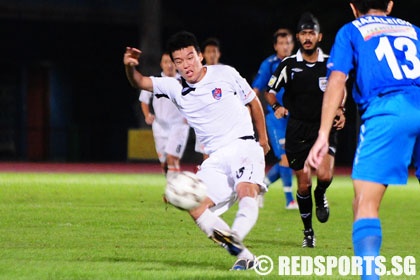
{"x": 299, "y": 56}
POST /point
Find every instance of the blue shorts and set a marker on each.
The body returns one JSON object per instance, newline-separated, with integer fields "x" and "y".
{"x": 276, "y": 129}
{"x": 390, "y": 127}
{"x": 416, "y": 157}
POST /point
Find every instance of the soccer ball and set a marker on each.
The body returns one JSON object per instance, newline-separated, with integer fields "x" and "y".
{"x": 185, "y": 190}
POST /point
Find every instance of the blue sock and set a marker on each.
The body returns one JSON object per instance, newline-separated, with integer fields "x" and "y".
{"x": 273, "y": 174}
{"x": 367, "y": 239}
{"x": 286, "y": 174}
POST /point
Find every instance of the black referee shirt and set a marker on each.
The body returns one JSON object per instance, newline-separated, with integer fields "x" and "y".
{"x": 304, "y": 85}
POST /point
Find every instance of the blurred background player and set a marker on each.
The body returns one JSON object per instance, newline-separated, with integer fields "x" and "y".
{"x": 211, "y": 54}
{"x": 304, "y": 78}
{"x": 211, "y": 51}
{"x": 170, "y": 129}
{"x": 283, "y": 45}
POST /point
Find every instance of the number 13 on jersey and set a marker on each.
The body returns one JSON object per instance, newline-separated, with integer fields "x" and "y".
{"x": 410, "y": 66}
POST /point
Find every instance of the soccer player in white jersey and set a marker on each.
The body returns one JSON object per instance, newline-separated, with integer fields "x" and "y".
{"x": 211, "y": 55}
{"x": 170, "y": 129}
{"x": 223, "y": 110}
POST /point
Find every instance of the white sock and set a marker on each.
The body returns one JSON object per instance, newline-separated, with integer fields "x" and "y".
{"x": 208, "y": 221}
{"x": 287, "y": 189}
{"x": 246, "y": 217}
{"x": 245, "y": 254}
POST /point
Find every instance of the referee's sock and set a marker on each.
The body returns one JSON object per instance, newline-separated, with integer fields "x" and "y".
{"x": 305, "y": 208}
{"x": 321, "y": 187}
{"x": 367, "y": 239}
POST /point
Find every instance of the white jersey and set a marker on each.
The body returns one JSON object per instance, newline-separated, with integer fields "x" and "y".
{"x": 214, "y": 107}
{"x": 166, "y": 113}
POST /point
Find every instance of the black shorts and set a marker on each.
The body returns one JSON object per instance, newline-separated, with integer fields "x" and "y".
{"x": 300, "y": 137}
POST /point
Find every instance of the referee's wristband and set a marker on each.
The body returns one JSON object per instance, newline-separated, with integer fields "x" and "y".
{"x": 275, "y": 106}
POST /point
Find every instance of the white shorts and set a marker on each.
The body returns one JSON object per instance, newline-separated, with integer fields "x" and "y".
{"x": 241, "y": 161}
{"x": 170, "y": 139}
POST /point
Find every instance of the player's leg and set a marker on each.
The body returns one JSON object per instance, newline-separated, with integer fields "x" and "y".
{"x": 367, "y": 231}
{"x": 246, "y": 171}
{"x": 173, "y": 164}
{"x": 175, "y": 146}
{"x": 304, "y": 200}
{"x": 416, "y": 158}
{"x": 273, "y": 136}
{"x": 324, "y": 179}
{"x": 221, "y": 196}
{"x": 286, "y": 174}
{"x": 218, "y": 195}
{"x": 325, "y": 174}
{"x": 387, "y": 139}
{"x": 276, "y": 131}
{"x": 245, "y": 219}
{"x": 297, "y": 152}
{"x": 273, "y": 174}
{"x": 160, "y": 137}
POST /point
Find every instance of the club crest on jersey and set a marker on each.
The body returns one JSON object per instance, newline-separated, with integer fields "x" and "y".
{"x": 322, "y": 82}
{"x": 217, "y": 93}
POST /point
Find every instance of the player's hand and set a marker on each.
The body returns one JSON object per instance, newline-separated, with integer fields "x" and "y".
{"x": 131, "y": 56}
{"x": 340, "y": 120}
{"x": 317, "y": 153}
{"x": 281, "y": 112}
{"x": 265, "y": 146}
{"x": 150, "y": 118}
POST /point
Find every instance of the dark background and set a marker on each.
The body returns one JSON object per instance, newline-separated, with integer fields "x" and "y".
{"x": 63, "y": 92}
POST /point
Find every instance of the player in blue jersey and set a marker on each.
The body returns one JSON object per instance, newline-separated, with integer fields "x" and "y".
{"x": 283, "y": 44}
{"x": 382, "y": 53}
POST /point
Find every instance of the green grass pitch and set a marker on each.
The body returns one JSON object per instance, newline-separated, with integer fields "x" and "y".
{"x": 116, "y": 226}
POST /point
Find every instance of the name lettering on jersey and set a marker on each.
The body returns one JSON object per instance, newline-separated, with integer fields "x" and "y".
{"x": 372, "y": 26}
{"x": 217, "y": 93}
{"x": 322, "y": 82}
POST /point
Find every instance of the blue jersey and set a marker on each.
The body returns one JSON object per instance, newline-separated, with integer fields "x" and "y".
{"x": 267, "y": 68}
{"x": 384, "y": 53}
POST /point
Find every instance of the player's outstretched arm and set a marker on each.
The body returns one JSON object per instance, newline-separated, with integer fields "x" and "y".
{"x": 136, "y": 79}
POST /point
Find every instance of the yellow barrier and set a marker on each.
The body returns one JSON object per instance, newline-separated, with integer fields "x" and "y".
{"x": 141, "y": 144}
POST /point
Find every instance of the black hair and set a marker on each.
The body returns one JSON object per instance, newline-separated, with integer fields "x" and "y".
{"x": 282, "y": 32}
{"x": 182, "y": 40}
{"x": 212, "y": 41}
{"x": 365, "y": 5}
{"x": 308, "y": 21}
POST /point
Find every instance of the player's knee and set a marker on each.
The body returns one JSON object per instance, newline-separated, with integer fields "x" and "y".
{"x": 244, "y": 189}
{"x": 172, "y": 160}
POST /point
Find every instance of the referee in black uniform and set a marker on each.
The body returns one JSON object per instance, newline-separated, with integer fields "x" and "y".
{"x": 304, "y": 78}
